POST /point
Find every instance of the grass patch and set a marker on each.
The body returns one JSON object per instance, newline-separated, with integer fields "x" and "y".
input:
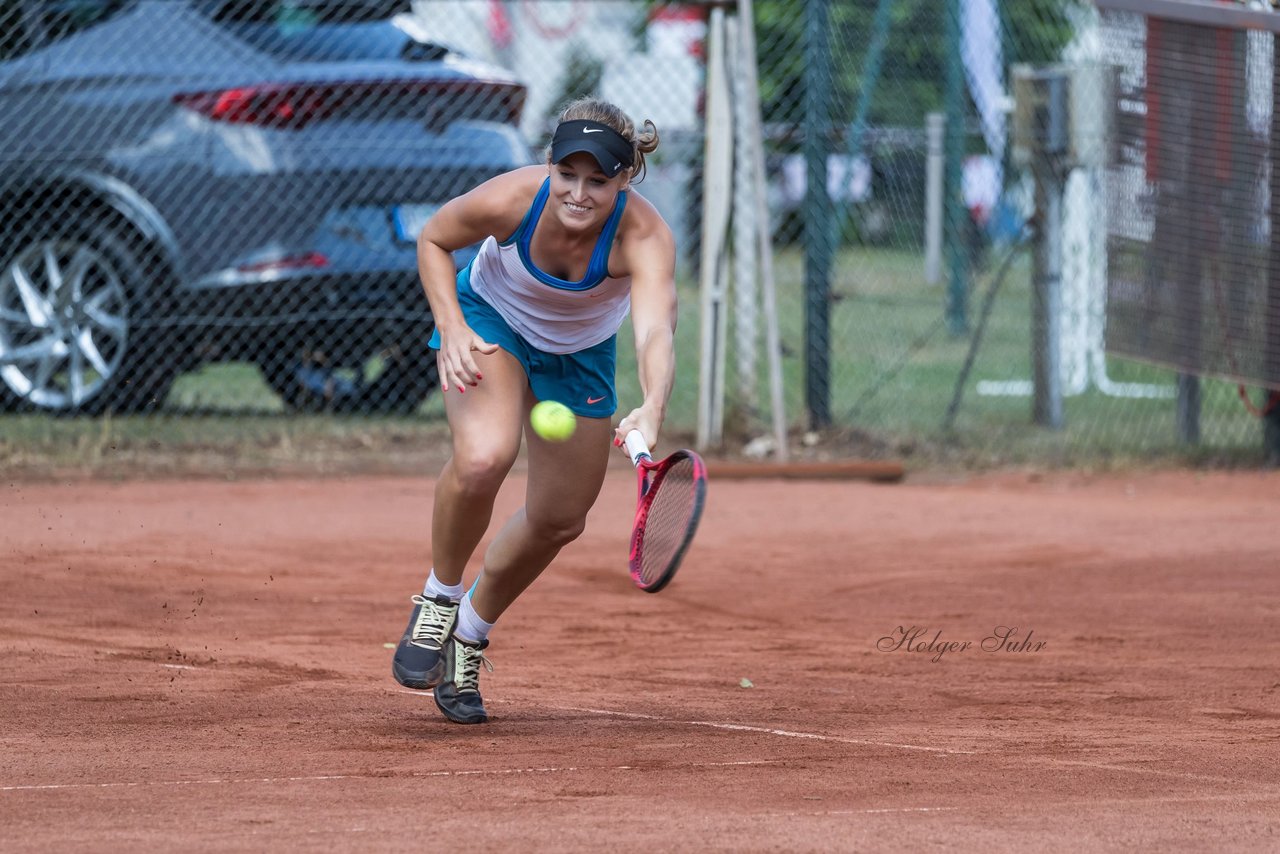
{"x": 894, "y": 367}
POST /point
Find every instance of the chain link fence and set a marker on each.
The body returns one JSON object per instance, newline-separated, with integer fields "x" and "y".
{"x": 932, "y": 339}
{"x": 209, "y": 206}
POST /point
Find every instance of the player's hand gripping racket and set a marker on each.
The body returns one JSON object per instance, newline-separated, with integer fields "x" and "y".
{"x": 669, "y": 502}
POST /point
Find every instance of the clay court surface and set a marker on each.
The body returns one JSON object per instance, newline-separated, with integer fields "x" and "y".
{"x": 201, "y": 665}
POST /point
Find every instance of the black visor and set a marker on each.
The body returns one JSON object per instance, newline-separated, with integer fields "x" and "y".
{"x": 610, "y": 149}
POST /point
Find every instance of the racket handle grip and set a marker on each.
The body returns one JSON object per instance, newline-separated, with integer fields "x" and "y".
{"x": 636, "y": 447}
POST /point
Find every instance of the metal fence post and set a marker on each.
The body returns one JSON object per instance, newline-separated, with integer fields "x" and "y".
{"x": 1271, "y": 338}
{"x": 1046, "y": 296}
{"x": 957, "y": 232}
{"x": 1041, "y": 141}
{"x": 818, "y": 214}
{"x": 1188, "y": 409}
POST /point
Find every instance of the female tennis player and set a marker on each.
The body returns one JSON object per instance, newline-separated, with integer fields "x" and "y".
{"x": 568, "y": 249}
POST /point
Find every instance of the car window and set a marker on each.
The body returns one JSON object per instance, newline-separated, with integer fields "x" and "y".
{"x": 304, "y": 12}
{"x": 317, "y": 30}
{"x": 15, "y": 35}
{"x": 26, "y": 25}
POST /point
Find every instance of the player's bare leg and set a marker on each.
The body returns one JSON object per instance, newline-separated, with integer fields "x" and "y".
{"x": 486, "y": 422}
{"x": 564, "y": 482}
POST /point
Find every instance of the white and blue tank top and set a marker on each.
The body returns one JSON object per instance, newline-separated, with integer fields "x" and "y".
{"x": 551, "y": 314}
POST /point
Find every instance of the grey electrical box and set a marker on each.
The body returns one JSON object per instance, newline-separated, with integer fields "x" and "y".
{"x": 1065, "y": 113}
{"x": 1039, "y": 113}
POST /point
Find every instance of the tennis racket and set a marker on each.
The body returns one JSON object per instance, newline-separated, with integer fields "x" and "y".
{"x": 670, "y": 495}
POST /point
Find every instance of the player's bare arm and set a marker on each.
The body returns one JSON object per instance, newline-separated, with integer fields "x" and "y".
{"x": 648, "y": 254}
{"x": 486, "y": 210}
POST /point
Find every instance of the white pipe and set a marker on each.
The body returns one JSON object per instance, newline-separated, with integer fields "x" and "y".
{"x": 935, "y": 130}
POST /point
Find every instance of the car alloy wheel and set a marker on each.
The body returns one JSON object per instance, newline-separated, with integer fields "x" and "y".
{"x": 64, "y": 324}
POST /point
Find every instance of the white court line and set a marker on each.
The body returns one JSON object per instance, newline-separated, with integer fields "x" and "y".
{"x": 1086, "y": 804}
{"x": 1134, "y": 769}
{"x": 179, "y": 666}
{"x": 1042, "y": 760}
{"x": 785, "y": 733}
{"x": 745, "y": 728}
{"x": 1037, "y": 760}
{"x": 864, "y": 812}
{"x": 479, "y": 772}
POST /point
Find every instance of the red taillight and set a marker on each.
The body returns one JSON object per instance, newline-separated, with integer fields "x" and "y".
{"x": 308, "y": 261}
{"x": 294, "y": 105}
{"x": 271, "y": 106}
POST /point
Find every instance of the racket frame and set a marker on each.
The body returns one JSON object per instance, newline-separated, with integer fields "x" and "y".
{"x": 649, "y": 476}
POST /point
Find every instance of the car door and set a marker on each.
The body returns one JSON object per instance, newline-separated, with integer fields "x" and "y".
{"x": 22, "y": 65}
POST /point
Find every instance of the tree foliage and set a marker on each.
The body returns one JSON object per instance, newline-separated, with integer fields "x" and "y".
{"x": 910, "y": 82}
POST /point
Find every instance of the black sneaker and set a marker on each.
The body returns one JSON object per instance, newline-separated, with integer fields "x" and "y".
{"x": 458, "y": 694}
{"x": 418, "y": 662}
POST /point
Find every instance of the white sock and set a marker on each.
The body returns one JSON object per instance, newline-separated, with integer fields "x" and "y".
{"x": 436, "y": 588}
{"x": 471, "y": 627}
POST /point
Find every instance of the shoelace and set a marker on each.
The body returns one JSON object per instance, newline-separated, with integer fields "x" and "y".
{"x": 467, "y": 677}
{"x": 433, "y": 623}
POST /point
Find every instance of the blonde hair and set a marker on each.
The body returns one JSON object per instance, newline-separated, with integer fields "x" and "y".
{"x": 596, "y": 110}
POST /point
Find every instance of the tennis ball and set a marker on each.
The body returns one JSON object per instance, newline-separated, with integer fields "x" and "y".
{"x": 552, "y": 420}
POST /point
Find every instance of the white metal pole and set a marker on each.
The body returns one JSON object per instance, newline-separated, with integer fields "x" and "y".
{"x": 716, "y": 194}
{"x": 764, "y": 231}
{"x": 935, "y": 130}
